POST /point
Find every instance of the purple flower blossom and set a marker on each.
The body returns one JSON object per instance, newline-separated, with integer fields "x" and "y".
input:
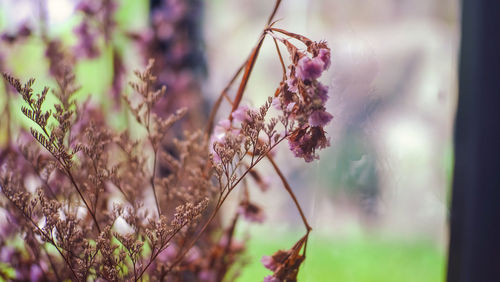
{"x": 297, "y": 148}
{"x": 290, "y": 106}
{"x": 269, "y": 263}
{"x": 36, "y": 273}
{"x": 207, "y": 275}
{"x": 305, "y": 141}
{"x": 221, "y": 130}
{"x": 322, "y": 92}
{"x": 292, "y": 84}
{"x": 276, "y": 103}
{"x": 87, "y": 7}
{"x": 6, "y": 254}
{"x": 310, "y": 69}
{"x": 241, "y": 114}
{"x": 320, "y": 118}
{"x": 168, "y": 254}
{"x": 219, "y": 135}
{"x": 324, "y": 56}
{"x": 271, "y": 278}
{"x": 193, "y": 254}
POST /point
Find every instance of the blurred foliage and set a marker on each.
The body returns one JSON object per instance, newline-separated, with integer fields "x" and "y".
{"x": 357, "y": 258}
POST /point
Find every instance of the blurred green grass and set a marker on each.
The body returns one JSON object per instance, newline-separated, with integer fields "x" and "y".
{"x": 356, "y": 258}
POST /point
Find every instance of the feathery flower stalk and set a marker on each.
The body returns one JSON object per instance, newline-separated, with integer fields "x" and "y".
{"x": 93, "y": 183}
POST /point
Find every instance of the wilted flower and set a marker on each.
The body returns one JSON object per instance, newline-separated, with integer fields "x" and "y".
{"x": 309, "y": 69}
{"x": 251, "y": 212}
{"x": 324, "y": 55}
{"x": 320, "y": 118}
{"x": 241, "y": 114}
{"x": 220, "y": 134}
{"x": 269, "y": 263}
{"x": 321, "y": 92}
{"x": 292, "y": 84}
{"x": 304, "y": 142}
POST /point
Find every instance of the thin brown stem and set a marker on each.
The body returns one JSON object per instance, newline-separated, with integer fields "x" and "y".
{"x": 290, "y": 192}
{"x": 161, "y": 249}
{"x": 249, "y": 65}
{"x": 218, "y": 102}
{"x": 291, "y": 34}
{"x": 7, "y": 115}
{"x": 246, "y": 75}
{"x": 221, "y": 267}
{"x": 66, "y": 167}
{"x": 220, "y": 201}
{"x": 153, "y": 184}
{"x": 68, "y": 172}
{"x": 273, "y": 13}
{"x": 47, "y": 237}
{"x": 51, "y": 264}
{"x": 281, "y": 58}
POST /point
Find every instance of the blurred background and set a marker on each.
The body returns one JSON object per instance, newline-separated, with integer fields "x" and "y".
{"x": 378, "y": 198}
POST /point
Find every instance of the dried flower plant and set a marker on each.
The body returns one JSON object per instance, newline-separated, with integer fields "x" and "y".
{"x": 85, "y": 212}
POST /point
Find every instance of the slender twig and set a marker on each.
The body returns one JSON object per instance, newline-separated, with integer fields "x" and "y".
{"x": 155, "y": 152}
{"x": 47, "y": 237}
{"x": 273, "y": 13}
{"x": 222, "y": 267}
{"x": 153, "y": 184}
{"x": 251, "y": 61}
{"x": 289, "y": 190}
{"x": 291, "y": 34}
{"x": 239, "y": 95}
{"x": 66, "y": 166}
{"x": 51, "y": 264}
{"x": 246, "y": 75}
{"x": 249, "y": 66}
{"x": 281, "y": 58}
{"x": 218, "y": 102}
{"x": 68, "y": 172}
{"x": 7, "y": 115}
{"x": 161, "y": 249}
{"x": 221, "y": 201}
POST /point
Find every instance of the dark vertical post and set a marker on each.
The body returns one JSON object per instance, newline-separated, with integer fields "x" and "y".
{"x": 474, "y": 250}
{"x": 178, "y": 49}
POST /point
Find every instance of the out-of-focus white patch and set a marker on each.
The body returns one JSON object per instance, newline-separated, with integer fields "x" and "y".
{"x": 24, "y": 11}
{"x": 4, "y": 223}
{"x": 354, "y": 68}
{"x": 81, "y": 212}
{"x": 122, "y": 226}
{"x": 408, "y": 139}
{"x": 59, "y": 11}
{"x": 32, "y": 183}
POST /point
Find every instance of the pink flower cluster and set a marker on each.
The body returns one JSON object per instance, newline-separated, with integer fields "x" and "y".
{"x": 225, "y": 129}
{"x": 302, "y": 98}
